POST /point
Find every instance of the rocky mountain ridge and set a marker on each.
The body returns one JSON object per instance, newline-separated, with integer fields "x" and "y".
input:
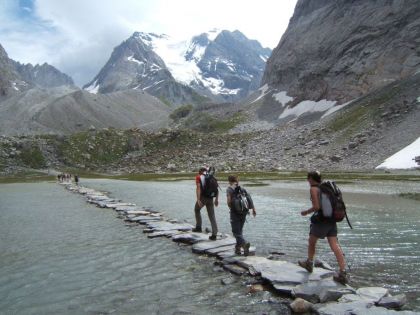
{"x": 16, "y": 77}
{"x": 212, "y": 65}
{"x": 337, "y": 51}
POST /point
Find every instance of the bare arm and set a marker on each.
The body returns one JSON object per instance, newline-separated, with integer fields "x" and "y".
{"x": 315, "y": 202}
{"x": 198, "y": 194}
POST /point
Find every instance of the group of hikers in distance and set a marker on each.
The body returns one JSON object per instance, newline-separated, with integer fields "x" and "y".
{"x": 64, "y": 177}
{"x": 327, "y": 209}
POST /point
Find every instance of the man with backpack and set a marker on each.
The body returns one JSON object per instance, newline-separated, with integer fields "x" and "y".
{"x": 324, "y": 225}
{"x": 239, "y": 203}
{"x": 207, "y": 194}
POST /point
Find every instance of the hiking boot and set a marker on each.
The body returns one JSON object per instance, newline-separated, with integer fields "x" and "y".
{"x": 307, "y": 264}
{"x": 197, "y": 229}
{"x": 246, "y": 247}
{"x": 237, "y": 250}
{"x": 212, "y": 237}
{"x": 341, "y": 277}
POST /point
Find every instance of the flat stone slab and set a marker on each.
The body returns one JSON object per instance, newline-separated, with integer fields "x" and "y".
{"x": 114, "y": 205}
{"x": 282, "y": 272}
{"x": 142, "y": 219}
{"x": 190, "y": 238}
{"x": 372, "y": 293}
{"x": 202, "y": 247}
{"x": 137, "y": 212}
{"x": 167, "y": 226}
{"x": 394, "y": 302}
{"x": 313, "y": 290}
{"x": 163, "y": 234}
{"x": 235, "y": 269}
{"x": 357, "y": 308}
{"x": 126, "y": 208}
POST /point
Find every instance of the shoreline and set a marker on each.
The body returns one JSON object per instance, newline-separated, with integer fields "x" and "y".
{"x": 338, "y": 176}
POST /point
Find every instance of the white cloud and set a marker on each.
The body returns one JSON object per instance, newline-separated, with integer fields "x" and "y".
{"x": 78, "y": 36}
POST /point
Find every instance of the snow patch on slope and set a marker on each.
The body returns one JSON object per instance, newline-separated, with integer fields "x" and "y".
{"x": 282, "y": 98}
{"x": 307, "y": 107}
{"x": 403, "y": 159}
{"x": 263, "y": 90}
{"x": 93, "y": 88}
{"x": 334, "y": 109}
{"x": 132, "y": 59}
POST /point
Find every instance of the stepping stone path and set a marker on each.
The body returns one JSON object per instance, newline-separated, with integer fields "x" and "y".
{"x": 315, "y": 292}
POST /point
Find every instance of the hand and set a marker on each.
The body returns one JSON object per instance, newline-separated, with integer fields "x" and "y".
{"x": 200, "y": 204}
{"x": 216, "y": 202}
{"x": 254, "y": 213}
{"x": 304, "y": 212}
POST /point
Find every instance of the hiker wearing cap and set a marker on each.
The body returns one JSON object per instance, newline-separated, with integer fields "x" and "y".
{"x": 207, "y": 194}
{"x": 239, "y": 203}
{"x": 321, "y": 228}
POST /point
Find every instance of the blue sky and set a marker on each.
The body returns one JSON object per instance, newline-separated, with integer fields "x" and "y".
{"x": 77, "y": 36}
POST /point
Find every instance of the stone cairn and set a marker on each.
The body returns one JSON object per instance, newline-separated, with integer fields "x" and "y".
{"x": 314, "y": 292}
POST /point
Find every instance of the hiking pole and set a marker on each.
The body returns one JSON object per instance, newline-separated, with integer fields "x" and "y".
{"x": 344, "y": 255}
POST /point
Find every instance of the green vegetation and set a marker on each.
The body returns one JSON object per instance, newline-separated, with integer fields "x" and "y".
{"x": 181, "y": 112}
{"x": 205, "y": 122}
{"x": 414, "y": 196}
{"x": 100, "y": 147}
{"x": 165, "y": 101}
{"x": 32, "y": 157}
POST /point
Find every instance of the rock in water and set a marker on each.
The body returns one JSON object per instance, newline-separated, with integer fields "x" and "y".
{"x": 395, "y": 302}
{"x": 301, "y": 306}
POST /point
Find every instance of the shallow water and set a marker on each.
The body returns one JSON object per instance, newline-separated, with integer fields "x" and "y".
{"x": 59, "y": 254}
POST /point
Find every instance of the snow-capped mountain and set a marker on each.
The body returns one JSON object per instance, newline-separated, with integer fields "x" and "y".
{"x": 221, "y": 65}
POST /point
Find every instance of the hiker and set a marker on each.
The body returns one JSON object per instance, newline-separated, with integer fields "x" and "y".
{"x": 204, "y": 197}
{"x": 76, "y": 179}
{"x": 238, "y": 212}
{"x": 321, "y": 228}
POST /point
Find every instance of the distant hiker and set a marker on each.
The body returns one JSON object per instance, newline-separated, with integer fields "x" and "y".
{"x": 239, "y": 203}
{"x": 322, "y": 227}
{"x": 76, "y": 179}
{"x": 206, "y": 191}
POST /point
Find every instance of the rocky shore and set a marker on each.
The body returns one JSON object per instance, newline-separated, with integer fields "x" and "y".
{"x": 313, "y": 292}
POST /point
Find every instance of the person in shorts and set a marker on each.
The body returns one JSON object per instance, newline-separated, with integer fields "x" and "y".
{"x": 321, "y": 228}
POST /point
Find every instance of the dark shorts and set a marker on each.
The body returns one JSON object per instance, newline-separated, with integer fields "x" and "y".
{"x": 324, "y": 229}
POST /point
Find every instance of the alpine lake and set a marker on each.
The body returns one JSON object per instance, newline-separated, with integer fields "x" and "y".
{"x": 61, "y": 255}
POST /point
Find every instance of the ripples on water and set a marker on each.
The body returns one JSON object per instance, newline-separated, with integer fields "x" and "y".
{"x": 61, "y": 255}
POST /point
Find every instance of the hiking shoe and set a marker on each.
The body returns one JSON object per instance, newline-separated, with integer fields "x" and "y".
{"x": 246, "y": 247}
{"x": 212, "y": 237}
{"x": 237, "y": 250}
{"x": 197, "y": 229}
{"x": 307, "y": 264}
{"x": 341, "y": 277}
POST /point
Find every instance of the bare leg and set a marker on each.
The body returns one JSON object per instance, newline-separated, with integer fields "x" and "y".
{"x": 311, "y": 246}
{"x": 332, "y": 240}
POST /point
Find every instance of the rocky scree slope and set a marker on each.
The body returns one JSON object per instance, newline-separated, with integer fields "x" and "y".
{"x": 341, "y": 50}
{"x": 360, "y": 137}
{"x": 42, "y": 100}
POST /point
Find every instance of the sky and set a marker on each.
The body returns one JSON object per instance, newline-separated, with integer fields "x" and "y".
{"x": 78, "y": 36}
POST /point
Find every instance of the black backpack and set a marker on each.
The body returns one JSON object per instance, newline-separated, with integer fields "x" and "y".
{"x": 211, "y": 186}
{"x": 332, "y": 203}
{"x": 241, "y": 201}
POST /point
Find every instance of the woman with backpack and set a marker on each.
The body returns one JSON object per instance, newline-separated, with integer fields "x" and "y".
{"x": 239, "y": 203}
{"x": 321, "y": 228}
